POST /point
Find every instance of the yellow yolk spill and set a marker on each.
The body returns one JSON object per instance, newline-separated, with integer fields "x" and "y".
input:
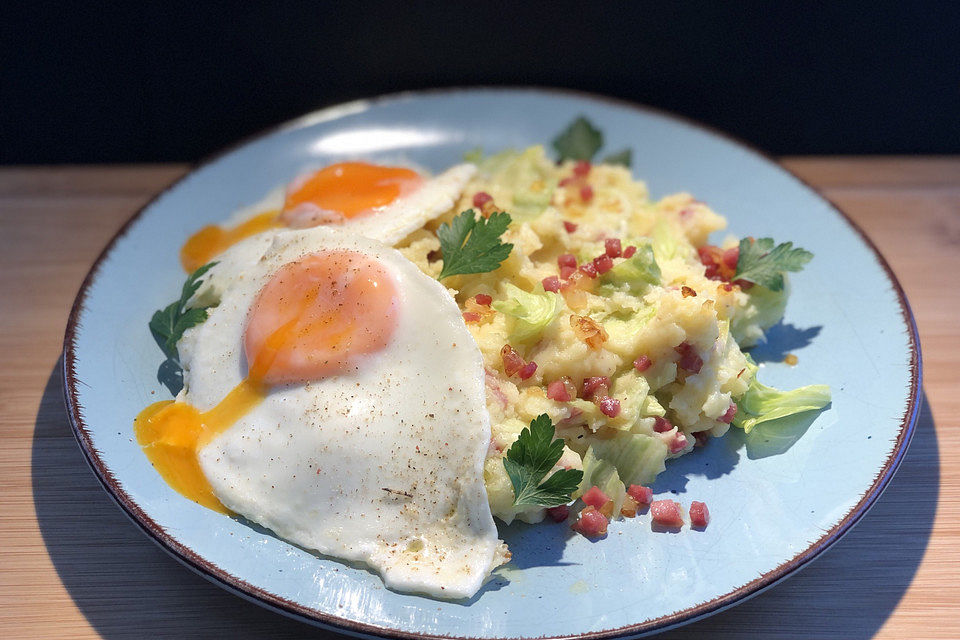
{"x": 352, "y": 188}
{"x": 211, "y": 241}
{"x": 289, "y": 315}
{"x": 172, "y": 433}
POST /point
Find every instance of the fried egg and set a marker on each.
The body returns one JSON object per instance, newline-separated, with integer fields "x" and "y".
{"x": 380, "y": 202}
{"x": 335, "y": 396}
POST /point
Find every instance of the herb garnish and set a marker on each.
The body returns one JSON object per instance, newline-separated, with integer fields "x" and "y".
{"x": 581, "y": 141}
{"x": 168, "y": 324}
{"x": 531, "y": 458}
{"x": 472, "y": 245}
{"x": 763, "y": 264}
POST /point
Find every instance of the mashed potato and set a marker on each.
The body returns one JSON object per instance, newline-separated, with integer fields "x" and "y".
{"x": 642, "y": 357}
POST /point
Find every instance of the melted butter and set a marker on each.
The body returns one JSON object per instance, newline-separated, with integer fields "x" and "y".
{"x": 172, "y": 433}
{"x": 211, "y": 241}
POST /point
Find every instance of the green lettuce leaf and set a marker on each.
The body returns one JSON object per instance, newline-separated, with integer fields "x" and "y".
{"x": 638, "y": 458}
{"x": 638, "y": 272}
{"x": 765, "y": 404}
{"x": 531, "y": 312}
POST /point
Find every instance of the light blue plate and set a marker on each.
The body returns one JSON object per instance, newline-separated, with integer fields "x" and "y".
{"x": 774, "y": 506}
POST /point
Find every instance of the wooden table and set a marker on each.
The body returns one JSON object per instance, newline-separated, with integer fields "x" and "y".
{"x": 72, "y": 566}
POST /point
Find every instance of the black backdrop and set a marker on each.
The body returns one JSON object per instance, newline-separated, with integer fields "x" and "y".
{"x": 155, "y": 80}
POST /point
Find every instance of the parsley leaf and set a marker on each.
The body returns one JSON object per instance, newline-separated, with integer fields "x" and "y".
{"x": 168, "y": 324}
{"x": 580, "y": 141}
{"x": 623, "y": 157}
{"x": 764, "y": 264}
{"x": 532, "y": 457}
{"x": 472, "y": 245}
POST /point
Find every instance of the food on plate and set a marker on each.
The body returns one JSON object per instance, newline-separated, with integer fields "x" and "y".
{"x": 539, "y": 341}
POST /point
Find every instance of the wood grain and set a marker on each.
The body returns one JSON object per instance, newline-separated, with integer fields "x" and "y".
{"x": 71, "y": 565}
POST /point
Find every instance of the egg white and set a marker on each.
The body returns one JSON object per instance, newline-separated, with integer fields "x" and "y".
{"x": 382, "y": 465}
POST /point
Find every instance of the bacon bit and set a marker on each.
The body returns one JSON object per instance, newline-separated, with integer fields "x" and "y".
{"x": 556, "y": 390}
{"x": 613, "y": 247}
{"x": 586, "y": 193}
{"x": 679, "y": 443}
{"x": 699, "y": 515}
{"x": 595, "y": 384}
{"x": 791, "y": 359}
{"x": 642, "y": 363}
{"x": 589, "y": 331}
{"x": 590, "y": 523}
{"x": 689, "y": 359}
{"x": 493, "y": 385}
{"x": 569, "y": 226}
{"x": 731, "y": 257}
{"x": 661, "y": 425}
{"x": 528, "y": 370}
{"x": 609, "y": 407}
{"x": 551, "y": 283}
{"x": 566, "y": 182}
{"x": 666, "y": 513}
{"x": 567, "y": 260}
{"x": 471, "y": 318}
{"x": 717, "y": 262}
{"x": 643, "y": 495}
{"x": 559, "y": 513}
{"x": 603, "y": 263}
{"x": 701, "y": 438}
{"x": 566, "y": 272}
{"x": 581, "y": 168}
{"x": 481, "y": 198}
{"x": 728, "y": 415}
{"x": 687, "y": 292}
{"x": 595, "y": 497}
{"x": 512, "y": 362}
{"x": 589, "y": 269}
{"x": 629, "y": 251}
{"x": 727, "y": 286}
{"x": 483, "y": 299}
{"x": 478, "y": 313}
{"x": 629, "y": 508}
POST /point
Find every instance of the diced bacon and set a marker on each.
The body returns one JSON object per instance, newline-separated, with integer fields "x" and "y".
{"x": 566, "y": 272}
{"x": 642, "y": 363}
{"x": 569, "y": 180}
{"x": 595, "y": 497}
{"x": 643, "y": 495}
{"x": 603, "y": 263}
{"x": 731, "y": 257}
{"x": 661, "y": 425}
{"x": 731, "y": 411}
{"x": 629, "y": 251}
{"x": 586, "y": 193}
{"x": 512, "y": 361}
{"x": 581, "y": 168}
{"x": 471, "y": 317}
{"x": 557, "y": 390}
{"x": 609, "y": 407}
{"x": 527, "y": 370}
{"x": 483, "y": 299}
{"x": 699, "y": 515}
{"x": 727, "y": 286}
{"x": 567, "y": 260}
{"x": 679, "y": 443}
{"x": 689, "y": 359}
{"x": 551, "y": 283}
{"x": 559, "y": 513}
{"x": 629, "y": 508}
{"x": 569, "y": 226}
{"x": 589, "y": 269}
{"x": 481, "y": 198}
{"x": 666, "y": 513}
{"x": 591, "y": 523}
{"x": 493, "y": 384}
{"x": 593, "y": 384}
{"x": 613, "y": 247}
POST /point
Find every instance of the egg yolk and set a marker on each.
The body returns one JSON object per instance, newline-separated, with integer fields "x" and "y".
{"x": 315, "y": 317}
{"x": 211, "y": 241}
{"x": 332, "y": 194}
{"x": 352, "y": 189}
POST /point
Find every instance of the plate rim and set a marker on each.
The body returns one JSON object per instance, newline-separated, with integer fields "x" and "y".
{"x": 234, "y": 584}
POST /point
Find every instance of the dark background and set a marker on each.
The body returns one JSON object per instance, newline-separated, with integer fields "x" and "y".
{"x": 160, "y": 81}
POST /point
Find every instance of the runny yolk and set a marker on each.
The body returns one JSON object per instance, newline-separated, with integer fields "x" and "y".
{"x": 352, "y": 189}
{"x": 314, "y": 318}
{"x": 213, "y": 240}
